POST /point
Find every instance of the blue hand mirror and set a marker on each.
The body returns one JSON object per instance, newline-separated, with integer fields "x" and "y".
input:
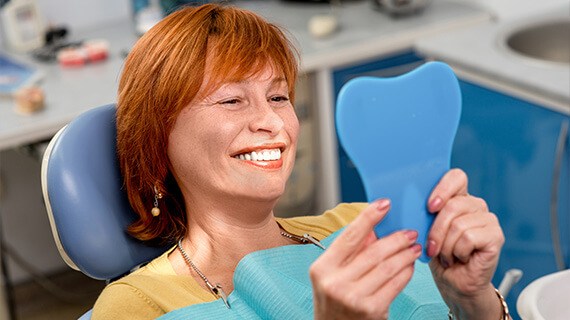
{"x": 398, "y": 132}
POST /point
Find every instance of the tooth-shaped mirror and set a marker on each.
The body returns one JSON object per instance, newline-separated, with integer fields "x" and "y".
{"x": 398, "y": 132}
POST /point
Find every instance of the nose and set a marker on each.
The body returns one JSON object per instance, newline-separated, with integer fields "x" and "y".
{"x": 266, "y": 119}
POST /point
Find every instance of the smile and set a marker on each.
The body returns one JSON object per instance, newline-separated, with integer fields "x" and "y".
{"x": 260, "y": 155}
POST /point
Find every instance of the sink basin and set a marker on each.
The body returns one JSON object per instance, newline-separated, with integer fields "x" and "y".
{"x": 546, "y": 298}
{"x": 547, "y": 41}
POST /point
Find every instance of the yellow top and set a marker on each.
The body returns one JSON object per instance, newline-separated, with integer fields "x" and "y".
{"x": 156, "y": 289}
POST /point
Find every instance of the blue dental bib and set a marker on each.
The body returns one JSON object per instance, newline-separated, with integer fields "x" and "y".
{"x": 275, "y": 284}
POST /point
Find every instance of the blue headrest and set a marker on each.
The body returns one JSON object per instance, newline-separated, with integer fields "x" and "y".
{"x": 87, "y": 207}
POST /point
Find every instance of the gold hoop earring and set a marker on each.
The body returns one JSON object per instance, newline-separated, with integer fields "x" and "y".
{"x": 155, "y": 210}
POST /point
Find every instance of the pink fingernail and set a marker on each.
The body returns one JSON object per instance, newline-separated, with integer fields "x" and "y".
{"x": 411, "y": 234}
{"x": 431, "y": 248}
{"x": 435, "y": 203}
{"x": 416, "y": 248}
{"x": 382, "y": 204}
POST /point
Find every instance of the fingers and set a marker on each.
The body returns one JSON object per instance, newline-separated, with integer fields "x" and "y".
{"x": 358, "y": 276}
{"x": 383, "y": 275}
{"x": 465, "y": 238}
{"x": 365, "y": 286}
{"x": 452, "y": 210}
{"x": 356, "y": 234}
{"x": 377, "y": 253}
{"x": 463, "y": 226}
{"x": 466, "y": 234}
{"x": 335, "y": 301}
{"x": 483, "y": 239}
{"x": 453, "y": 183}
{"x": 388, "y": 293}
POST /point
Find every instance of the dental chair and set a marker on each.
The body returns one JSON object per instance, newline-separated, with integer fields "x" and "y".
{"x": 546, "y": 298}
{"x": 86, "y": 204}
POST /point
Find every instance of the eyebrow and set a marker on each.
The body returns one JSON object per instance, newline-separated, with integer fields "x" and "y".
{"x": 246, "y": 81}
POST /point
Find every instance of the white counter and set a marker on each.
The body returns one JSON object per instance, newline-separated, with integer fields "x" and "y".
{"x": 478, "y": 54}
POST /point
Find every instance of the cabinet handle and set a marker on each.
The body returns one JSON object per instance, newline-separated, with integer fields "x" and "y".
{"x": 554, "y": 227}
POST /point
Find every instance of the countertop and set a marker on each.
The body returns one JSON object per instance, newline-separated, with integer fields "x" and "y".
{"x": 364, "y": 34}
{"x": 479, "y": 53}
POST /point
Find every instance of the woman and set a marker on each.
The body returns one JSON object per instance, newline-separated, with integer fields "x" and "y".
{"x": 206, "y": 140}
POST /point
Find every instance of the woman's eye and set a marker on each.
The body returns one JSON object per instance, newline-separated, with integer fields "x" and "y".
{"x": 230, "y": 101}
{"x": 279, "y": 98}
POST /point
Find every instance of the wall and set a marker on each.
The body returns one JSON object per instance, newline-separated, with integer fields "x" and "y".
{"x": 83, "y": 14}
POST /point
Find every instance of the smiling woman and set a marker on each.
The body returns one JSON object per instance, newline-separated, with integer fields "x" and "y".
{"x": 206, "y": 139}
{"x": 184, "y": 56}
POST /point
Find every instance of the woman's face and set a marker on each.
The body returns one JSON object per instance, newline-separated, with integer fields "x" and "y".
{"x": 238, "y": 141}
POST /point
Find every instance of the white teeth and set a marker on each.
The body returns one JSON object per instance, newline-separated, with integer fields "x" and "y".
{"x": 265, "y": 155}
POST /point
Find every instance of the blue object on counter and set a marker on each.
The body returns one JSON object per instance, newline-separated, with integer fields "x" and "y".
{"x": 398, "y": 132}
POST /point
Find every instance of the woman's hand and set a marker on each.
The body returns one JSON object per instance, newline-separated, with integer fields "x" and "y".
{"x": 359, "y": 276}
{"x": 464, "y": 242}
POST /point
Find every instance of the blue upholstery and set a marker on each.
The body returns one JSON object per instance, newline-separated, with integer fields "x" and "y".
{"x": 398, "y": 132}
{"x": 88, "y": 209}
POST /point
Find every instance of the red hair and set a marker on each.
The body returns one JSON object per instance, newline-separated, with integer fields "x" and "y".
{"x": 162, "y": 75}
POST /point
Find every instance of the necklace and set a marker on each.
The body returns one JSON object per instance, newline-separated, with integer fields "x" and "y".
{"x": 217, "y": 290}
{"x": 306, "y": 238}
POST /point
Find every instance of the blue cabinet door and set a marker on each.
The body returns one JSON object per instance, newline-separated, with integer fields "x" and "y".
{"x": 507, "y": 147}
